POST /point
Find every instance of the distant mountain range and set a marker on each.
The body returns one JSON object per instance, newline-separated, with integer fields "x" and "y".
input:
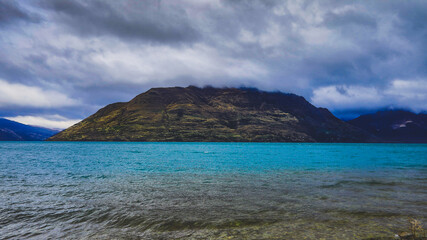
{"x": 14, "y": 131}
{"x": 226, "y": 115}
{"x": 214, "y": 114}
{"x": 394, "y": 125}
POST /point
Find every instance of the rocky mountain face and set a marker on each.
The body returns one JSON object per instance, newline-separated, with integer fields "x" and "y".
{"x": 394, "y": 125}
{"x": 14, "y": 131}
{"x": 213, "y": 114}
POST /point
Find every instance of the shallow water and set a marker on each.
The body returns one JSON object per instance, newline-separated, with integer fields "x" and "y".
{"x": 210, "y": 190}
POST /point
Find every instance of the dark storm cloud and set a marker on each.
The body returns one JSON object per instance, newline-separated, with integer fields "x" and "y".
{"x": 9, "y": 70}
{"x": 137, "y": 20}
{"x": 350, "y": 18}
{"x": 348, "y": 56}
{"x": 11, "y": 11}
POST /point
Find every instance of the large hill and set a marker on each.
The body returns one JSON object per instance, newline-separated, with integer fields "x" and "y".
{"x": 394, "y": 125}
{"x": 14, "y": 131}
{"x": 213, "y": 114}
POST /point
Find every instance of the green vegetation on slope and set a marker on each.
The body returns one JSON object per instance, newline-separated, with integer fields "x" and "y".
{"x": 212, "y": 114}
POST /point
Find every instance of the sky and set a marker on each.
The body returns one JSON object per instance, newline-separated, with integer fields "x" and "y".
{"x": 60, "y": 61}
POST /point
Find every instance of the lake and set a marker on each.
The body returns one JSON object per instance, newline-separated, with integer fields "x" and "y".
{"x": 75, "y": 190}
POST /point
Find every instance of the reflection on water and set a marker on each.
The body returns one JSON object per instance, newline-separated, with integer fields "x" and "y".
{"x": 210, "y": 190}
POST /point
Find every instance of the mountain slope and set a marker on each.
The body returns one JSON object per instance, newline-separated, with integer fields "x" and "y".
{"x": 212, "y": 114}
{"x": 394, "y": 125}
{"x": 14, "y": 131}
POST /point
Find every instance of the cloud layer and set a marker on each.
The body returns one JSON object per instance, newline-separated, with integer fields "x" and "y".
{"x": 71, "y": 57}
{"x": 50, "y": 121}
{"x": 410, "y": 94}
{"x": 16, "y": 94}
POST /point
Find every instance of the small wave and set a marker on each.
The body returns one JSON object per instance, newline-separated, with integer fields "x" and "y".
{"x": 362, "y": 183}
{"x": 135, "y": 151}
{"x": 177, "y": 224}
{"x": 365, "y": 213}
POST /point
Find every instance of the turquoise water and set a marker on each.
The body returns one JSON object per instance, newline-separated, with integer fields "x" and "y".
{"x": 210, "y": 190}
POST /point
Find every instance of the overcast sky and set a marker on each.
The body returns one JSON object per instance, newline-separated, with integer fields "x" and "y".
{"x": 62, "y": 60}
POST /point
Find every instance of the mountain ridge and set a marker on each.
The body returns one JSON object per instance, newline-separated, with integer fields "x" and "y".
{"x": 216, "y": 115}
{"x": 15, "y": 131}
{"x": 394, "y": 125}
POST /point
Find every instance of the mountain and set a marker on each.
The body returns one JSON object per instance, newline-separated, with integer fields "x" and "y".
{"x": 213, "y": 114}
{"x": 394, "y": 125}
{"x": 14, "y": 131}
